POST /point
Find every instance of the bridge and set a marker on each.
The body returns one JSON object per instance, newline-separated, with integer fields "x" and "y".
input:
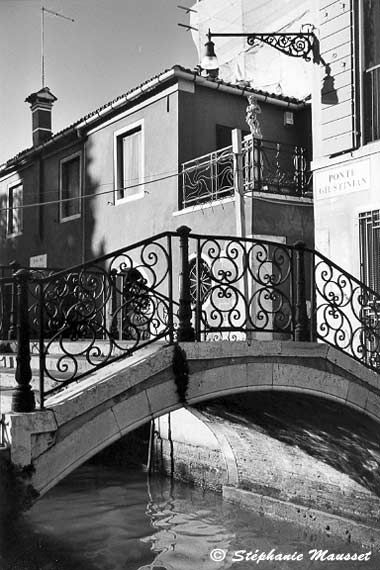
{"x": 174, "y": 320}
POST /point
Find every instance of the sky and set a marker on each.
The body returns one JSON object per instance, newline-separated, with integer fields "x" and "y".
{"x": 112, "y": 46}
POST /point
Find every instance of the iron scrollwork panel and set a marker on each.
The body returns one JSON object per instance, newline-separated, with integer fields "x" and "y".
{"x": 347, "y": 313}
{"x": 208, "y": 178}
{"x": 103, "y": 311}
{"x": 247, "y": 286}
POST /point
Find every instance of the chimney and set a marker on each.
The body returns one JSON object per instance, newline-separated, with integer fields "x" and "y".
{"x": 41, "y": 104}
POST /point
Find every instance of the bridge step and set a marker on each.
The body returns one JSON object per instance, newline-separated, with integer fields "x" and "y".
{"x": 8, "y": 372}
{"x": 8, "y": 348}
{"x": 8, "y": 362}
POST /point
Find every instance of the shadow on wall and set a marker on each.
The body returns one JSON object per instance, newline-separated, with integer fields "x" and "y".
{"x": 329, "y": 95}
{"x": 50, "y": 226}
{"x": 332, "y": 433}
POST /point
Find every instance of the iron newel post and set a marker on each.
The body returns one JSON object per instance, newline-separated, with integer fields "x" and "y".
{"x": 301, "y": 324}
{"x": 185, "y": 329}
{"x": 23, "y": 397}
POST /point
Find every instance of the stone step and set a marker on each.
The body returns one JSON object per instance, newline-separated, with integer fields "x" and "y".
{"x": 8, "y": 362}
{"x": 8, "y": 348}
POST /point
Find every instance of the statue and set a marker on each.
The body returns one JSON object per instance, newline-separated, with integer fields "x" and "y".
{"x": 253, "y": 109}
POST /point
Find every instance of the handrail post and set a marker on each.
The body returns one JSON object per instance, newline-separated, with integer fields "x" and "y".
{"x": 301, "y": 324}
{"x": 23, "y": 397}
{"x": 185, "y": 329}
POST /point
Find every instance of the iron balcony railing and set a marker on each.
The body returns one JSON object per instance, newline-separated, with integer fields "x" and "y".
{"x": 207, "y": 178}
{"x": 93, "y": 314}
{"x": 268, "y": 166}
{"x": 275, "y": 167}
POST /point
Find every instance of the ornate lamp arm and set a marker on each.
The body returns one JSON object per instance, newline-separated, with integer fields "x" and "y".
{"x": 292, "y": 43}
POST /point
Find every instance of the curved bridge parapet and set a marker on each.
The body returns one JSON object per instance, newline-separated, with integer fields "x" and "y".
{"x": 83, "y": 419}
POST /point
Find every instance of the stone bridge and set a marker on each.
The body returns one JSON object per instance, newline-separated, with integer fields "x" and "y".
{"x": 86, "y": 417}
{"x": 114, "y": 343}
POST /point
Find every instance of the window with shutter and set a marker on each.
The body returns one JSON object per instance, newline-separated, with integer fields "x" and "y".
{"x": 129, "y": 165}
{"x": 15, "y": 207}
{"x": 70, "y": 187}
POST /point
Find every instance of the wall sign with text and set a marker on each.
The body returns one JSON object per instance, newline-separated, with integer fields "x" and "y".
{"x": 341, "y": 180}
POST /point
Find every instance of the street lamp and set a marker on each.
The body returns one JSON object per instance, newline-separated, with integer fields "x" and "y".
{"x": 290, "y": 43}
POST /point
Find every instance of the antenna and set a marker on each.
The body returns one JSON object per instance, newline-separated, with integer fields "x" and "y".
{"x": 188, "y": 27}
{"x": 187, "y": 10}
{"x": 43, "y": 10}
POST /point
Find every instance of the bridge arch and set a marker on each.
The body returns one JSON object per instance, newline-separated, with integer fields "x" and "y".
{"x": 87, "y": 417}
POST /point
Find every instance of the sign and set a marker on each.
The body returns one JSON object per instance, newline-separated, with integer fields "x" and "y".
{"x": 352, "y": 177}
{"x": 38, "y": 260}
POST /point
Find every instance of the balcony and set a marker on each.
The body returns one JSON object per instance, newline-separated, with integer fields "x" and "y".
{"x": 272, "y": 167}
{"x": 208, "y": 178}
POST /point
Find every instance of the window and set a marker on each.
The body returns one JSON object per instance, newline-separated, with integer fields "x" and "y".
{"x": 369, "y": 239}
{"x": 15, "y": 202}
{"x": 70, "y": 187}
{"x": 371, "y": 62}
{"x": 129, "y": 162}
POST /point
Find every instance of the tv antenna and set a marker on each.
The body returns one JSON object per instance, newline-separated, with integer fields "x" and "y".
{"x": 43, "y": 10}
{"x": 187, "y": 11}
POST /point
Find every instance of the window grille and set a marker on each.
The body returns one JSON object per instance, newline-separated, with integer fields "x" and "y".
{"x": 369, "y": 237}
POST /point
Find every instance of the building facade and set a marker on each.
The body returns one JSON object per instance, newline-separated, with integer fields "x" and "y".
{"x": 346, "y": 136}
{"x": 135, "y": 167}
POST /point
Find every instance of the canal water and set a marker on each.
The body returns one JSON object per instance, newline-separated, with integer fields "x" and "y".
{"x": 107, "y": 517}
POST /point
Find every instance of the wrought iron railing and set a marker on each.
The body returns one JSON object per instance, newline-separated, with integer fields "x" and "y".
{"x": 229, "y": 288}
{"x": 241, "y": 286}
{"x": 8, "y": 296}
{"x": 207, "y": 178}
{"x": 275, "y": 167}
{"x": 347, "y": 312}
{"x": 268, "y": 166}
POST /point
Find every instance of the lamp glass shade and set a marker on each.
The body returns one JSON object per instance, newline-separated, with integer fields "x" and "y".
{"x": 209, "y": 60}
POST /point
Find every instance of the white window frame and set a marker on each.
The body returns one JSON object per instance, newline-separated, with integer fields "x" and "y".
{"x": 63, "y": 219}
{"x": 11, "y": 187}
{"x": 138, "y": 125}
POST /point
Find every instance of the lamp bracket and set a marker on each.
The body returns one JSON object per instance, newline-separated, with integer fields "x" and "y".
{"x": 292, "y": 44}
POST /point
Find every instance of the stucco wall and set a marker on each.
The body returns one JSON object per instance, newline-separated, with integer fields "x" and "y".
{"x": 178, "y": 123}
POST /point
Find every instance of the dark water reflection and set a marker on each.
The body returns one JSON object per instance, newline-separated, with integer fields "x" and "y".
{"x": 108, "y": 518}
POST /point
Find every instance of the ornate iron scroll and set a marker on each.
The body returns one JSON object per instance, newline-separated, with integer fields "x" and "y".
{"x": 292, "y": 44}
{"x": 248, "y": 287}
{"x": 207, "y": 178}
{"x": 94, "y": 314}
{"x": 347, "y": 313}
